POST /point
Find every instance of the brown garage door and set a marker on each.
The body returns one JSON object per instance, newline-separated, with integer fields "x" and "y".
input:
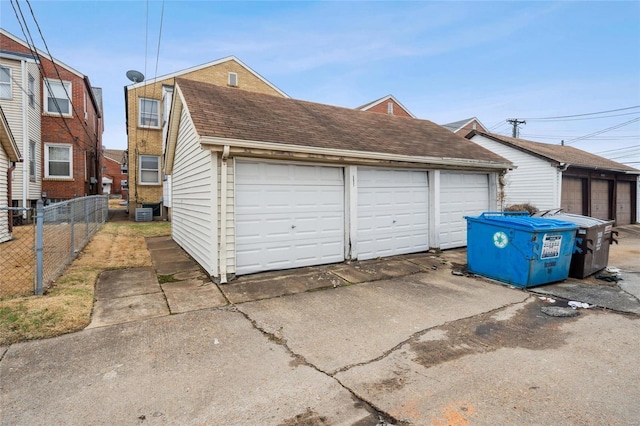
{"x": 572, "y": 195}
{"x": 623, "y": 203}
{"x": 600, "y": 199}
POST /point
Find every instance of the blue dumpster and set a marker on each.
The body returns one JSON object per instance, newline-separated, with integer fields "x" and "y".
{"x": 520, "y": 250}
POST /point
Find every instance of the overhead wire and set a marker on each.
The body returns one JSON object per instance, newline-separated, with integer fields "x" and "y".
{"x": 582, "y": 115}
{"x": 599, "y": 132}
{"x": 55, "y": 67}
{"x": 34, "y": 52}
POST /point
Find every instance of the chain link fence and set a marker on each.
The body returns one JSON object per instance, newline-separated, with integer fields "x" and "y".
{"x": 17, "y": 260}
{"x": 39, "y": 252}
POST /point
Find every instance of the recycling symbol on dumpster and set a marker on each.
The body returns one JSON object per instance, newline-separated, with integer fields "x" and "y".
{"x": 500, "y": 239}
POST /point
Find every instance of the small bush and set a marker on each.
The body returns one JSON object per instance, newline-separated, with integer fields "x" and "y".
{"x": 526, "y": 207}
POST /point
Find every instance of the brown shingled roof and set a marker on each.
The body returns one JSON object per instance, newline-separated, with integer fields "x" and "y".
{"x": 561, "y": 153}
{"x": 236, "y": 114}
{"x": 114, "y": 154}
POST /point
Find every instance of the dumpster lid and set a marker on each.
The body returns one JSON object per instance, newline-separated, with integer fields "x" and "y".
{"x": 522, "y": 220}
{"x": 581, "y": 221}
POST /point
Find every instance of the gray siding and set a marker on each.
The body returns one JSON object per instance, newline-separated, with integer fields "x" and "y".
{"x": 194, "y": 208}
{"x": 535, "y": 181}
{"x": 4, "y": 214}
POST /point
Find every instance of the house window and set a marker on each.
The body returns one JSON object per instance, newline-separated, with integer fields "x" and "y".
{"x": 233, "y": 79}
{"x": 5, "y": 83}
{"x": 32, "y": 91}
{"x": 390, "y": 108}
{"x": 57, "y": 97}
{"x": 32, "y": 161}
{"x": 149, "y": 170}
{"x": 58, "y": 161}
{"x": 149, "y": 113}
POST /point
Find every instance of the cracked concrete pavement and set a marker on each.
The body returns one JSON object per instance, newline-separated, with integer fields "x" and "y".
{"x": 425, "y": 348}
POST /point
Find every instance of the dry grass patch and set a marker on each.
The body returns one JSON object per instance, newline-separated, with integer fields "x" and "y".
{"x": 67, "y": 305}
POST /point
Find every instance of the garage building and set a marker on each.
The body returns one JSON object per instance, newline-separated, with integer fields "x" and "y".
{"x": 263, "y": 183}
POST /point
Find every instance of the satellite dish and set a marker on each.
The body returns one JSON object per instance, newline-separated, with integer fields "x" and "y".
{"x": 135, "y": 76}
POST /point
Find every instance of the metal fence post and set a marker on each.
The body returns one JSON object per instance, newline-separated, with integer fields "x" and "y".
{"x": 39, "y": 246}
{"x": 72, "y": 221}
{"x": 86, "y": 216}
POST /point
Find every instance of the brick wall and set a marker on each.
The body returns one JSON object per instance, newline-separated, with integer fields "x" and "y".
{"x": 148, "y": 141}
{"x": 113, "y": 170}
{"x": 382, "y": 108}
{"x": 85, "y": 137}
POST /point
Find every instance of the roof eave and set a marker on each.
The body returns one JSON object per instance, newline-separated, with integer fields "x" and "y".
{"x": 350, "y": 154}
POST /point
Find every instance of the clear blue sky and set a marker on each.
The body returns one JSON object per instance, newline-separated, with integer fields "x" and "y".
{"x": 445, "y": 61}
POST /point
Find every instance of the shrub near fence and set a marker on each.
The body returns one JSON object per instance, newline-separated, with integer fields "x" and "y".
{"x": 61, "y": 231}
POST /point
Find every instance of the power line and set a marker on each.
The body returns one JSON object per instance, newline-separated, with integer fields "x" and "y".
{"x": 515, "y": 123}
{"x": 32, "y": 47}
{"x": 599, "y": 132}
{"x": 619, "y": 149}
{"x": 55, "y": 67}
{"x": 583, "y": 115}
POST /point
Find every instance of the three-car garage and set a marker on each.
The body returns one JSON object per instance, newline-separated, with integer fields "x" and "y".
{"x": 290, "y": 215}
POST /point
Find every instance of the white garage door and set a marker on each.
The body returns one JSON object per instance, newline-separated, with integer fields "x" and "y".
{"x": 461, "y": 194}
{"x": 393, "y": 210}
{"x": 288, "y": 216}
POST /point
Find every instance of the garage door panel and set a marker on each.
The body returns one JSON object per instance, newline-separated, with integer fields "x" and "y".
{"x": 392, "y": 212}
{"x": 461, "y": 194}
{"x": 288, "y": 216}
{"x": 623, "y": 203}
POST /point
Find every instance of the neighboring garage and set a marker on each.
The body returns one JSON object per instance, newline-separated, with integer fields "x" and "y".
{"x": 557, "y": 176}
{"x": 283, "y": 183}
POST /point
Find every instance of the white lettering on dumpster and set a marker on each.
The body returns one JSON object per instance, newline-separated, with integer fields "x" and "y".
{"x": 551, "y": 246}
{"x": 500, "y": 239}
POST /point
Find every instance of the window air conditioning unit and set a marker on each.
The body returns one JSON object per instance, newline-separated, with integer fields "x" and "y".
{"x": 144, "y": 214}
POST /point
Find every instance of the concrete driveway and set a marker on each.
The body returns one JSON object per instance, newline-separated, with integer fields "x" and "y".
{"x": 424, "y": 348}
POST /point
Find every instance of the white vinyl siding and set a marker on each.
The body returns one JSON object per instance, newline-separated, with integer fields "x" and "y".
{"x": 288, "y": 216}
{"x": 461, "y": 194}
{"x": 34, "y": 129}
{"x": 534, "y": 181}
{"x": 24, "y": 131}
{"x": 393, "y": 211}
{"x": 194, "y": 208}
{"x": 57, "y": 97}
{"x": 229, "y": 198}
{"x": 4, "y": 186}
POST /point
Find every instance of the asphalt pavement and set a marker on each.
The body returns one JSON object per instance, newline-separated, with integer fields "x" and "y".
{"x": 395, "y": 341}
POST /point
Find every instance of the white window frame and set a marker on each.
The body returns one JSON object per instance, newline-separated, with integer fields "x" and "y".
{"x": 148, "y": 126}
{"x": 86, "y": 114}
{"x": 66, "y": 85}
{"x": 32, "y": 160}
{"x": 46, "y": 160}
{"x": 140, "y": 170}
{"x": 390, "y": 108}
{"x": 32, "y": 91}
{"x": 235, "y": 77}
{"x": 7, "y": 84}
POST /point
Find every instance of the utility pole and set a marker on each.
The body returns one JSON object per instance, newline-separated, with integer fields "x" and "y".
{"x": 515, "y": 123}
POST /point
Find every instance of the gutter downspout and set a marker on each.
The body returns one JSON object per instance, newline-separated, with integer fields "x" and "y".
{"x": 25, "y": 141}
{"x": 223, "y": 215}
{"x": 9, "y": 195}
